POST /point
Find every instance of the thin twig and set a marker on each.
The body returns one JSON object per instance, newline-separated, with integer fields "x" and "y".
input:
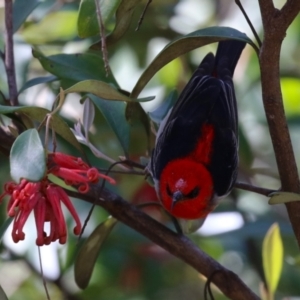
{"x": 129, "y": 172}
{"x": 103, "y": 38}
{"x": 42, "y": 273}
{"x": 239, "y": 4}
{"x": 9, "y": 60}
{"x": 143, "y": 15}
{"x": 94, "y": 203}
{"x": 254, "y": 189}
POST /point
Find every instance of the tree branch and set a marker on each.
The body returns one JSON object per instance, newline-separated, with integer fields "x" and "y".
{"x": 254, "y": 189}
{"x": 9, "y": 54}
{"x": 178, "y": 245}
{"x": 275, "y": 24}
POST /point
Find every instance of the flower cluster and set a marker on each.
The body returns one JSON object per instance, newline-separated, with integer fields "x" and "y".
{"x": 44, "y": 198}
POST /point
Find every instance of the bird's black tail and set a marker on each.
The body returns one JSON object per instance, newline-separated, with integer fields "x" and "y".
{"x": 227, "y": 56}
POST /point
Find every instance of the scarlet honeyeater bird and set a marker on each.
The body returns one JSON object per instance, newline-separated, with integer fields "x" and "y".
{"x": 196, "y": 153}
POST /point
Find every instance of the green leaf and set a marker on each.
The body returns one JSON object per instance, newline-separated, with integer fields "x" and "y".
{"x": 89, "y": 252}
{"x": 123, "y": 18}
{"x": 87, "y": 23}
{"x": 114, "y": 113}
{"x": 283, "y": 197}
{"x": 185, "y": 44}
{"x": 2, "y": 294}
{"x": 21, "y": 10}
{"x": 272, "y": 254}
{"x": 27, "y": 157}
{"x": 291, "y": 94}
{"x": 55, "y": 26}
{"x": 39, "y": 114}
{"x": 102, "y": 90}
{"x": 36, "y": 81}
{"x": 77, "y": 67}
{"x": 135, "y": 113}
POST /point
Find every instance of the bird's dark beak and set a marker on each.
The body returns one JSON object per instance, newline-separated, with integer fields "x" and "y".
{"x": 177, "y": 196}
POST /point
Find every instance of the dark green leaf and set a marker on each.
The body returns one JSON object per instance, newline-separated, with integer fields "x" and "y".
{"x": 27, "y": 157}
{"x": 102, "y": 90}
{"x": 36, "y": 81}
{"x": 39, "y": 114}
{"x": 185, "y": 44}
{"x": 123, "y": 18}
{"x": 135, "y": 113}
{"x": 114, "y": 113}
{"x": 21, "y": 10}
{"x": 76, "y": 67}
{"x": 87, "y": 24}
{"x": 89, "y": 252}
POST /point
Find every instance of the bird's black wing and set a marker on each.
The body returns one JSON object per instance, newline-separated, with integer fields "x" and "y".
{"x": 208, "y": 98}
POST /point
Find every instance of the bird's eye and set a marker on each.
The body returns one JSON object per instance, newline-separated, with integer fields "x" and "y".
{"x": 169, "y": 191}
{"x": 193, "y": 193}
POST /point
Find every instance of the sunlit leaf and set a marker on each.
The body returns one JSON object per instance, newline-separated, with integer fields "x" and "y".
{"x": 185, "y": 44}
{"x": 21, "y": 10}
{"x": 272, "y": 254}
{"x": 36, "y": 81}
{"x": 55, "y": 26}
{"x": 27, "y": 157}
{"x": 283, "y": 197}
{"x": 87, "y": 24}
{"x": 291, "y": 94}
{"x": 102, "y": 90}
{"x": 170, "y": 73}
{"x": 114, "y": 113}
{"x": 38, "y": 114}
{"x": 77, "y": 67}
{"x": 89, "y": 252}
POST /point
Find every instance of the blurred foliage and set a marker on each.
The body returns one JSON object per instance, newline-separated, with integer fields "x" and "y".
{"x": 47, "y": 43}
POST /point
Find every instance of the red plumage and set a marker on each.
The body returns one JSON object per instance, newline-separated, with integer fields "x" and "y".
{"x": 195, "y": 158}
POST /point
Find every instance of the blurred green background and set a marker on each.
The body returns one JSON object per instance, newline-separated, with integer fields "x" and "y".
{"x": 129, "y": 266}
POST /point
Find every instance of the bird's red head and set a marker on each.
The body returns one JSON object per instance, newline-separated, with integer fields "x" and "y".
{"x": 186, "y": 189}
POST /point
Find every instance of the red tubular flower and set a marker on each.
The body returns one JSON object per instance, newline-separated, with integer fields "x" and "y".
{"x": 44, "y": 199}
{"x": 74, "y": 171}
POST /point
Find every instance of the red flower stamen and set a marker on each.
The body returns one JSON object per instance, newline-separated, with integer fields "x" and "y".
{"x": 44, "y": 198}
